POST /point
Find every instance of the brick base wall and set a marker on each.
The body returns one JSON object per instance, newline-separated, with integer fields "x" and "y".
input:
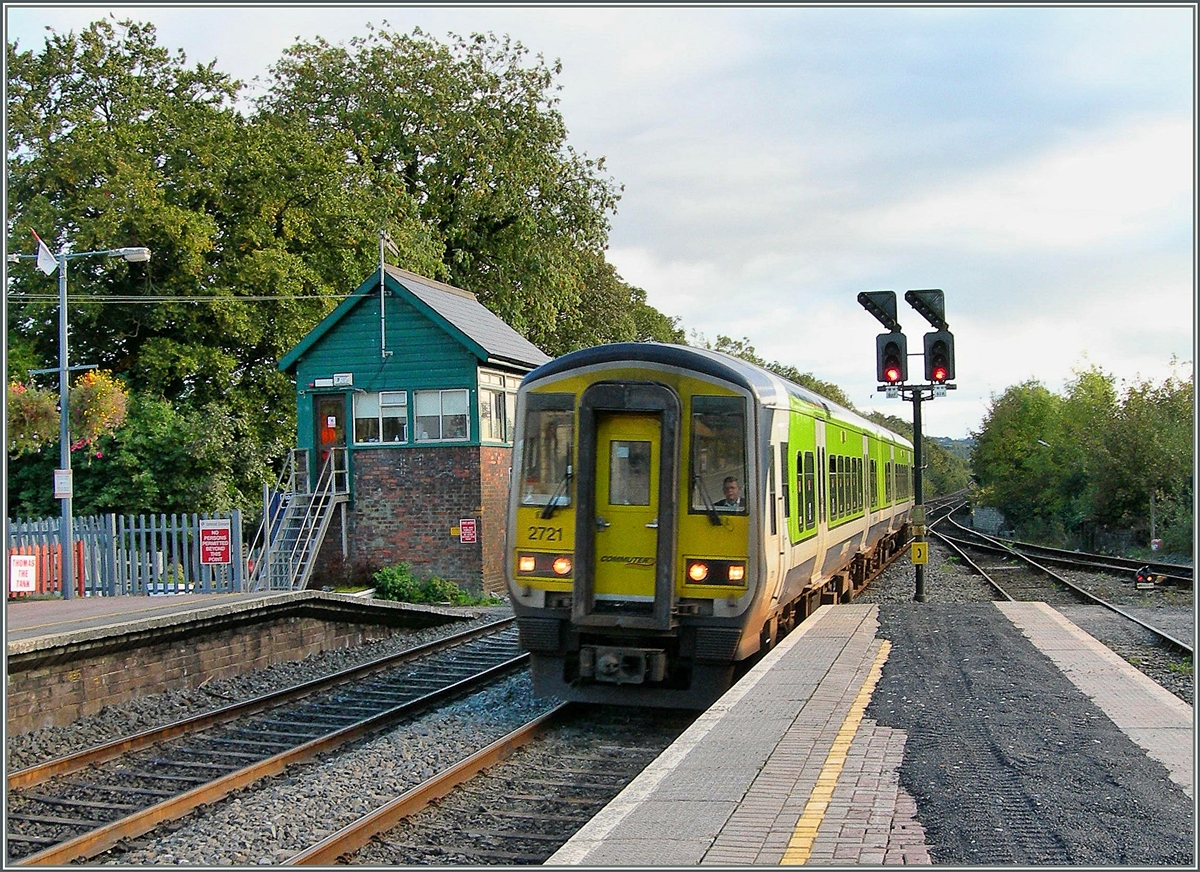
{"x": 406, "y": 501}
{"x": 51, "y": 694}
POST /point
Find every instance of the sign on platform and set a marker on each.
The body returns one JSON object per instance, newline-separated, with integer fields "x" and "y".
{"x": 62, "y": 484}
{"x": 22, "y": 573}
{"x": 466, "y": 530}
{"x": 216, "y": 542}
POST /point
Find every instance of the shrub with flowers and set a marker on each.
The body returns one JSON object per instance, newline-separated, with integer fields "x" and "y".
{"x": 98, "y": 405}
{"x": 32, "y": 418}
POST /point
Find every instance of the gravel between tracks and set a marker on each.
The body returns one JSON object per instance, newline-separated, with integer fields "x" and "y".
{"x": 154, "y": 710}
{"x": 948, "y": 580}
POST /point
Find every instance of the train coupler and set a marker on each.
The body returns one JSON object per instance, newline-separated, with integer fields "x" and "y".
{"x": 622, "y": 665}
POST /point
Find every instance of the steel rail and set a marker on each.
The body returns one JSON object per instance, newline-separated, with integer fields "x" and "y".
{"x": 97, "y": 841}
{"x": 1076, "y": 589}
{"x": 354, "y": 836}
{"x": 70, "y": 763}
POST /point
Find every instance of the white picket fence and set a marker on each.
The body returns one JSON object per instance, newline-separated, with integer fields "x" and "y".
{"x": 131, "y": 554}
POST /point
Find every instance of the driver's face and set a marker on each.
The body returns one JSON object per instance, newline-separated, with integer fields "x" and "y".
{"x": 731, "y": 490}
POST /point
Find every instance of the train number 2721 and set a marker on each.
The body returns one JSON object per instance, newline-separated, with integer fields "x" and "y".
{"x": 546, "y": 534}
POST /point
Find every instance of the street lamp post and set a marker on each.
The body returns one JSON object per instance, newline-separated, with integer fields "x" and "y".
{"x": 66, "y": 491}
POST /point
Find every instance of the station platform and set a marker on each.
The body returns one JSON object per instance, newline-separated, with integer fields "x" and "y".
{"x": 49, "y": 622}
{"x": 979, "y": 734}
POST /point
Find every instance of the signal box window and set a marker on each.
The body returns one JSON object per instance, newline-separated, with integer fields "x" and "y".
{"x": 629, "y": 473}
{"x": 546, "y": 451}
{"x": 718, "y": 452}
{"x": 381, "y": 417}
{"x": 441, "y": 415}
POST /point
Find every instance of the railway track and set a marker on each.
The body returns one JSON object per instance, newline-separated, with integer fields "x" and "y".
{"x": 77, "y": 807}
{"x": 1016, "y": 575}
{"x": 514, "y": 802}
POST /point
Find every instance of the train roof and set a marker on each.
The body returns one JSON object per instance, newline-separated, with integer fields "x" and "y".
{"x": 769, "y": 388}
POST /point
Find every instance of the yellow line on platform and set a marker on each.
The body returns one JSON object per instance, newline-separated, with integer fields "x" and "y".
{"x": 800, "y": 846}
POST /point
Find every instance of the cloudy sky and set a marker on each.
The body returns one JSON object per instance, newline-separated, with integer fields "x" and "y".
{"x": 1037, "y": 164}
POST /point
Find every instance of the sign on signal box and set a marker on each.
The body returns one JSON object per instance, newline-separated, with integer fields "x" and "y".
{"x": 216, "y": 542}
{"x": 22, "y": 573}
{"x": 920, "y": 552}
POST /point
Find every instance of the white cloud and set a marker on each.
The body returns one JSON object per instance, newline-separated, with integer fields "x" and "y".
{"x": 1119, "y": 185}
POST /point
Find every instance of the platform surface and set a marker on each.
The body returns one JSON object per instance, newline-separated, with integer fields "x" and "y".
{"x": 789, "y": 768}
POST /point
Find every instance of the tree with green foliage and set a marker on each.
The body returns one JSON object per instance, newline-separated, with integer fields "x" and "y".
{"x": 1071, "y": 467}
{"x": 471, "y": 132}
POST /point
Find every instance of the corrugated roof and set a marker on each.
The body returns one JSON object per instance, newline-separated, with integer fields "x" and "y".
{"x": 461, "y": 309}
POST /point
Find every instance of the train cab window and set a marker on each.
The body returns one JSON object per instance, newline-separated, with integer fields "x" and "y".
{"x": 718, "y": 453}
{"x": 628, "y": 473}
{"x": 546, "y": 450}
{"x": 810, "y": 476}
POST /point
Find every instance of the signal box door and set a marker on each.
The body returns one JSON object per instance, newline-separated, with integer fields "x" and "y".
{"x": 628, "y": 456}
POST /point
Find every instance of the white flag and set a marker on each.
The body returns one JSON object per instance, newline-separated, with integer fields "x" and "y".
{"x": 47, "y": 262}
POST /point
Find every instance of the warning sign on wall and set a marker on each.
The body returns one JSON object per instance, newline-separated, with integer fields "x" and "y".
{"x": 22, "y": 573}
{"x": 216, "y": 542}
{"x": 466, "y": 530}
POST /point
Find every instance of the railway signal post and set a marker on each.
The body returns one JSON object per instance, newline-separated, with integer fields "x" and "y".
{"x": 891, "y": 366}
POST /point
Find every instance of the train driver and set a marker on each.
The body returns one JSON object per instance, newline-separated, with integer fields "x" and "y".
{"x": 733, "y": 495}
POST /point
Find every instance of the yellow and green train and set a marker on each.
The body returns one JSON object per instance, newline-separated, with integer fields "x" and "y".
{"x": 674, "y": 511}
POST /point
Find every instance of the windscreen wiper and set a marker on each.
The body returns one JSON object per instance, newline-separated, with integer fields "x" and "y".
{"x": 710, "y": 509}
{"x": 559, "y": 492}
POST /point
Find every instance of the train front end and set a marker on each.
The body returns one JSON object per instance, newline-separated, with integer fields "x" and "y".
{"x": 630, "y": 568}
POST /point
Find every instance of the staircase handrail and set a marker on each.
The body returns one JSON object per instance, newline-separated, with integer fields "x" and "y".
{"x": 292, "y": 479}
{"x": 317, "y": 516}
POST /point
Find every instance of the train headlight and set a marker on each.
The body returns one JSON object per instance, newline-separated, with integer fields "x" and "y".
{"x": 704, "y": 570}
{"x": 541, "y": 565}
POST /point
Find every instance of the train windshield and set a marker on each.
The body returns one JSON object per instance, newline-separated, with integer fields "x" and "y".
{"x": 718, "y": 460}
{"x": 546, "y": 450}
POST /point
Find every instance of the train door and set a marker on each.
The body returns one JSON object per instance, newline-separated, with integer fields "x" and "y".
{"x": 628, "y": 459}
{"x": 625, "y": 525}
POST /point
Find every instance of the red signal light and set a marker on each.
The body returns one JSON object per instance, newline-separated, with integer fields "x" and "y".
{"x": 891, "y": 374}
{"x": 939, "y": 373}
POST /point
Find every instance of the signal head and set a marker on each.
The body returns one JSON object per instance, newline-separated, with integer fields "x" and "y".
{"x": 891, "y": 358}
{"x": 939, "y": 356}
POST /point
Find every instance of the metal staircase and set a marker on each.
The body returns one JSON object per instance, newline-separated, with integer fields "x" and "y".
{"x": 295, "y": 520}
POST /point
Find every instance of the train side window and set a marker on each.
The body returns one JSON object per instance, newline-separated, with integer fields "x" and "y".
{"x": 874, "y": 484}
{"x": 718, "y": 452}
{"x": 843, "y": 502}
{"x": 833, "y": 493}
{"x": 546, "y": 449}
{"x": 772, "y": 506}
{"x": 887, "y": 482}
{"x": 787, "y": 497}
{"x": 810, "y": 476}
{"x": 821, "y": 483}
{"x": 858, "y": 484}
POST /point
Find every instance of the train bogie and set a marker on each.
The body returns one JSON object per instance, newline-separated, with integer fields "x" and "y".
{"x": 674, "y": 510}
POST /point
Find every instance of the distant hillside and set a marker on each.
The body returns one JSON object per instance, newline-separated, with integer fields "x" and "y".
{"x": 960, "y": 448}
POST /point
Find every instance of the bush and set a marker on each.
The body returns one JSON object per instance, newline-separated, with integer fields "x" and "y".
{"x": 398, "y": 584}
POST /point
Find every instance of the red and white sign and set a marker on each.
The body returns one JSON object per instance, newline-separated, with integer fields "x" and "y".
{"x": 466, "y": 530}
{"x": 22, "y": 573}
{"x": 216, "y": 542}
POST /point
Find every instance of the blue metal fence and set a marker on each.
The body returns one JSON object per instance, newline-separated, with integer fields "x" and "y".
{"x": 132, "y": 554}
